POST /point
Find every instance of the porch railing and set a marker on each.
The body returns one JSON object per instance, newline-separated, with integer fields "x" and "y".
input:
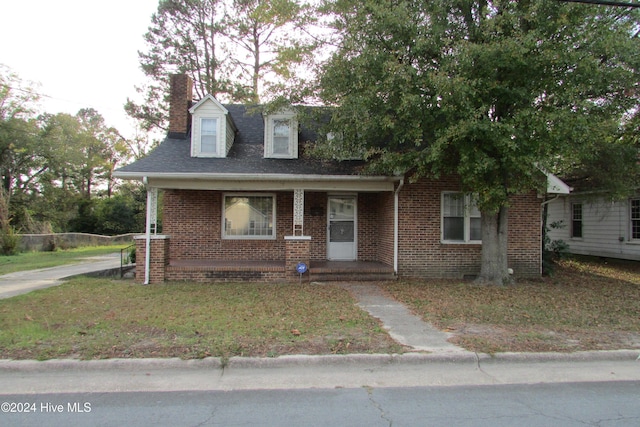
{"x": 127, "y": 258}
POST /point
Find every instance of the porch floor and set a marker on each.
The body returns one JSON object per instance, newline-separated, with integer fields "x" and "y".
{"x": 318, "y": 270}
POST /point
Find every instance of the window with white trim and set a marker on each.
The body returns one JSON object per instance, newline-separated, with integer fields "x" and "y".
{"x": 461, "y": 221}
{"x": 281, "y": 136}
{"x": 249, "y": 216}
{"x": 208, "y": 135}
{"x": 634, "y": 215}
{"x": 576, "y": 220}
{"x": 212, "y": 129}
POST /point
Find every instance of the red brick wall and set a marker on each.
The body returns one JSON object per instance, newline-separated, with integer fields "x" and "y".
{"x": 315, "y": 223}
{"x": 157, "y": 261}
{"x": 421, "y": 254}
{"x": 525, "y": 235}
{"x": 181, "y": 96}
{"x": 193, "y": 220}
{"x": 368, "y": 224}
{"x": 385, "y": 207}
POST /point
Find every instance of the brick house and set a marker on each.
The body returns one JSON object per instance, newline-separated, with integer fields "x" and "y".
{"x": 243, "y": 202}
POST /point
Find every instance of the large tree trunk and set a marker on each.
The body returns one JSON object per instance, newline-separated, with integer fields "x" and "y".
{"x": 494, "y": 269}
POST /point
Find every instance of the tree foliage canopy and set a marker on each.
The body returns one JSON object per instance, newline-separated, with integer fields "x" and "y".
{"x": 52, "y": 165}
{"x": 234, "y": 50}
{"x": 490, "y": 91}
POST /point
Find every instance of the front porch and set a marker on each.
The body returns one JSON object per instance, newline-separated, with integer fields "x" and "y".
{"x": 269, "y": 271}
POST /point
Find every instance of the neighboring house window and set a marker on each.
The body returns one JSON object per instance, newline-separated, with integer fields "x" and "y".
{"x": 576, "y": 220}
{"x": 249, "y": 216}
{"x": 209, "y": 135}
{"x": 461, "y": 221}
{"x": 635, "y": 219}
{"x": 281, "y": 136}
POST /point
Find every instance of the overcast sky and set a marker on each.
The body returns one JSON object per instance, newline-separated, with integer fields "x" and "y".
{"x": 82, "y": 52}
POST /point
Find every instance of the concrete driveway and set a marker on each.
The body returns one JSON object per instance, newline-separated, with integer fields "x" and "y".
{"x": 26, "y": 281}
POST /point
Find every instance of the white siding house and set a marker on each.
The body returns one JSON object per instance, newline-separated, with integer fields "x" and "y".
{"x": 597, "y": 226}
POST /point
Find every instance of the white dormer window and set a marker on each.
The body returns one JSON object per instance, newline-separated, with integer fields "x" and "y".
{"x": 281, "y": 136}
{"x": 209, "y": 136}
{"x": 212, "y": 130}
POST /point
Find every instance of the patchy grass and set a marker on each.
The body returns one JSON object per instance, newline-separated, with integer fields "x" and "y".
{"x": 96, "y": 318}
{"x": 588, "y": 304}
{"x": 36, "y": 260}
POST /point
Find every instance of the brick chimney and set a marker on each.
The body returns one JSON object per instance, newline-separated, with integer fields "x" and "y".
{"x": 180, "y": 100}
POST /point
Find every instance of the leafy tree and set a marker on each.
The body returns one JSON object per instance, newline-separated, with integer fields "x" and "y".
{"x": 81, "y": 150}
{"x": 21, "y": 158}
{"x": 102, "y": 148}
{"x": 53, "y": 164}
{"x": 119, "y": 214}
{"x": 184, "y": 37}
{"x": 271, "y": 34}
{"x": 488, "y": 90}
{"x": 227, "y": 46}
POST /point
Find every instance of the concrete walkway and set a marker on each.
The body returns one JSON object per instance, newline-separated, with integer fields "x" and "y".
{"x": 403, "y": 326}
{"x": 23, "y": 282}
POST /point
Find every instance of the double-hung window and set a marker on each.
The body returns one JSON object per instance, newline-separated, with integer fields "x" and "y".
{"x": 281, "y": 136}
{"x": 461, "y": 221}
{"x": 634, "y": 215}
{"x": 576, "y": 220}
{"x": 212, "y": 129}
{"x": 209, "y": 135}
{"x": 249, "y": 216}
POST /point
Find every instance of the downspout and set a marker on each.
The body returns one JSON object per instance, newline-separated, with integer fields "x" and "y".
{"x": 396, "y": 203}
{"x": 546, "y": 202}
{"x": 147, "y": 252}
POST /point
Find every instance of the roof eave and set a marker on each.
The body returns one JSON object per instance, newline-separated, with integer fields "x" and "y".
{"x": 251, "y": 177}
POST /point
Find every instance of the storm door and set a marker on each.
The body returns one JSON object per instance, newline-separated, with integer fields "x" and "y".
{"x": 342, "y": 228}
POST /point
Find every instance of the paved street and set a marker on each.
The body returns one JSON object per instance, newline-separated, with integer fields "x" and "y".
{"x": 565, "y": 404}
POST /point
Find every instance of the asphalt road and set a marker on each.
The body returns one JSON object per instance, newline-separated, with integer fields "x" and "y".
{"x": 566, "y": 404}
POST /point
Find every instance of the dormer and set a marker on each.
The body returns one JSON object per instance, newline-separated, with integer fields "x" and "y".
{"x": 212, "y": 129}
{"x": 281, "y": 135}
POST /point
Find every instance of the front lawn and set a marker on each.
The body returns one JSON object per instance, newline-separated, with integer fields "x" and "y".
{"x": 96, "y": 318}
{"x": 588, "y": 304}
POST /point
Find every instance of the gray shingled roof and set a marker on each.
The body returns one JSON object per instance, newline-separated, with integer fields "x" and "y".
{"x": 173, "y": 156}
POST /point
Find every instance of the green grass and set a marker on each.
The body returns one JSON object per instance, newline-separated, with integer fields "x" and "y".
{"x": 96, "y": 318}
{"x": 36, "y": 260}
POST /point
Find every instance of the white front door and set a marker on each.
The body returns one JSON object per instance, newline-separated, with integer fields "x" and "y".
{"x": 342, "y": 228}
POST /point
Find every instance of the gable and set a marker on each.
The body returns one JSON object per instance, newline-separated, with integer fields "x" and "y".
{"x": 213, "y": 130}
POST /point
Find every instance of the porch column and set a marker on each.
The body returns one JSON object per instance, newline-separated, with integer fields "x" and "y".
{"x": 298, "y": 212}
{"x": 298, "y": 246}
{"x": 298, "y": 249}
{"x": 151, "y": 227}
{"x": 154, "y": 272}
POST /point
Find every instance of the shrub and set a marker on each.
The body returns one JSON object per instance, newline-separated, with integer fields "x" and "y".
{"x": 8, "y": 240}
